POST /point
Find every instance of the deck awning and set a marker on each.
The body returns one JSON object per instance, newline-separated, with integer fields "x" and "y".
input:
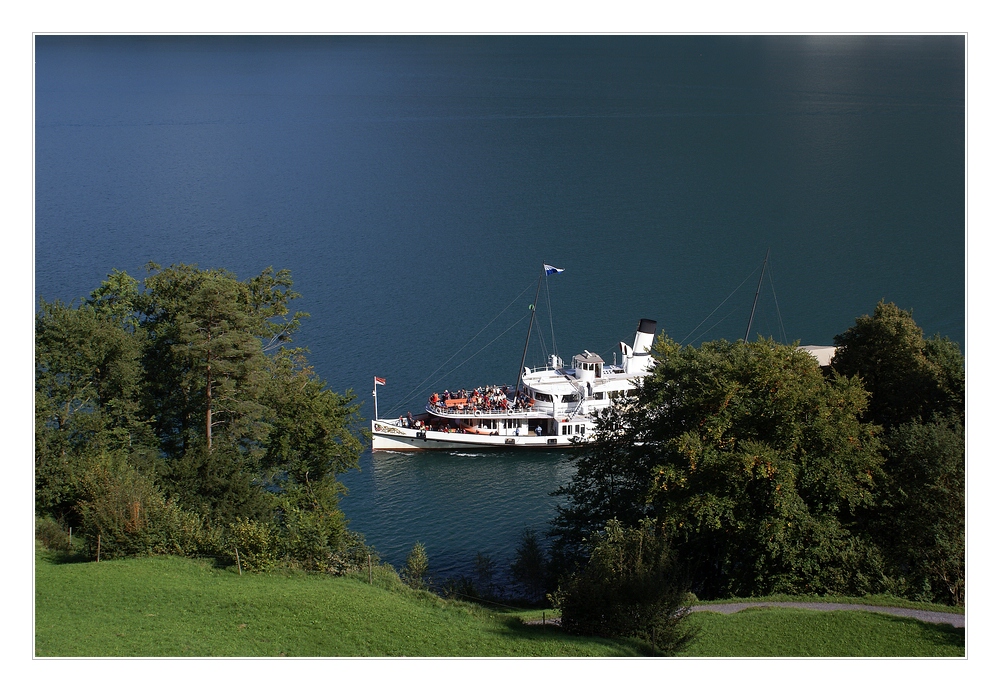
{"x": 823, "y": 354}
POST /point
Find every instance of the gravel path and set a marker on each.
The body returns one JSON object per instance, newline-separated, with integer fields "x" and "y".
{"x": 953, "y": 619}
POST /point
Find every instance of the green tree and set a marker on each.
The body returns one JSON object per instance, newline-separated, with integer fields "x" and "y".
{"x": 311, "y": 441}
{"x": 530, "y": 568}
{"x": 190, "y": 377}
{"x": 611, "y": 481}
{"x": 752, "y": 464}
{"x": 485, "y": 579}
{"x": 312, "y": 429}
{"x": 208, "y": 382}
{"x": 208, "y": 333}
{"x": 920, "y": 518}
{"x": 630, "y": 587}
{"x": 255, "y": 544}
{"x": 87, "y": 375}
{"x": 119, "y": 298}
{"x": 415, "y": 572}
{"x": 917, "y": 390}
{"x": 87, "y": 388}
{"x": 127, "y": 515}
{"x": 909, "y": 377}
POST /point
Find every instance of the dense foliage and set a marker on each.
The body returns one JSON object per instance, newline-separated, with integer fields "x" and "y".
{"x": 530, "y": 570}
{"x": 746, "y": 458}
{"x": 414, "y": 573}
{"x": 768, "y": 475}
{"x": 909, "y": 377}
{"x": 172, "y": 416}
{"x": 918, "y": 397}
{"x": 630, "y": 587}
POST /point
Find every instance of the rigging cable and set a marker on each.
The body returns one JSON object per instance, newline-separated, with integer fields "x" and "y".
{"x": 541, "y": 340}
{"x": 519, "y": 321}
{"x": 685, "y": 339}
{"x": 548, "y": 303}
{"x": 731, "y": 313}
{"x": 781, "y": 325}
{"x": 415, "y": 389}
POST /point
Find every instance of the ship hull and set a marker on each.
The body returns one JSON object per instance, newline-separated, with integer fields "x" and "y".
{"x": 389, "y": 437}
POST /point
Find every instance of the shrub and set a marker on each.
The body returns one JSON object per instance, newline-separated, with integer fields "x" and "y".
{"x": 630, "y": 587}
{"x": 415, "y": 572}
{"x": 128, "y": 515}
{"x": 530, "y": 569}
{"x": 51, "y": 533}
{"x": 481, "y": 586}
{"x": 311, "y": 528}
{"x": 353, "y": 556}
{"x": 384, "y": 576}
{"x": 256, "y": 543}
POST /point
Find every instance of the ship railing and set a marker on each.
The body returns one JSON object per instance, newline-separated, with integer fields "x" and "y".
{"x": 473, "y": 410}
{"x": 543, "y": 368}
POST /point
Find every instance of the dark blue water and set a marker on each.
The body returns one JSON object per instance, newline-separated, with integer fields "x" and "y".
{"x": 414, "y": 185}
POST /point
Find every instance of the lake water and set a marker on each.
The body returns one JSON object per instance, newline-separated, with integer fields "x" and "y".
{"x": 414, "y": 186}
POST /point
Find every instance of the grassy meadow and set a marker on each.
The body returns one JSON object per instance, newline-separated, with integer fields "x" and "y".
{"x": 179, "y": 607}
{"x": 785, "y": 632}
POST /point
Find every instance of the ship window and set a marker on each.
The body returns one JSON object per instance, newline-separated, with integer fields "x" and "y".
{"x": 571, "y": 397}
{"x": 598, "y": 395}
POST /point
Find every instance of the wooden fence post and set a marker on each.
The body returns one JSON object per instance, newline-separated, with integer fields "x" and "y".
{"x": 98, "y": 547}
{"x": 238, "y": 561}
{"x": 369, "y": 568}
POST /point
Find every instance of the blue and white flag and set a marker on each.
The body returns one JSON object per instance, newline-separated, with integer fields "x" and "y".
{"x": 549, "y": 269}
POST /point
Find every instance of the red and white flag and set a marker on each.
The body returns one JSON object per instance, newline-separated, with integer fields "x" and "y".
{"x": 379, "y": 380}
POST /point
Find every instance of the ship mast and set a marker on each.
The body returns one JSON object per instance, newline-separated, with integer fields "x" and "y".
{"x": 520, "y": 370}
{"x": 746, "y": 338}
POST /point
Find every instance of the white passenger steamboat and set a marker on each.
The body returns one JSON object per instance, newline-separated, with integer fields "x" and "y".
{"x": 550, "y": 407}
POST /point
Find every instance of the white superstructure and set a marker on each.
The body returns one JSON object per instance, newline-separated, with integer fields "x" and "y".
{"x": 551, "y": 407}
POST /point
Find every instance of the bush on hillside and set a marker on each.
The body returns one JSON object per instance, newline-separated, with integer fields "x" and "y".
{"x": 415, "y": 573}
{"x": 51, "y": 534}
{"x": 127, "y": 515}
{"x": 256, "y": 543}
{"x": 630, "y": 587}
{"x": 530, "y": 570}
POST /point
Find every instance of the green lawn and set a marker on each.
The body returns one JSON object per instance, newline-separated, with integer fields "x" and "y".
{"x": 180, "y": 607}
{"x": 799, "y": 632}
